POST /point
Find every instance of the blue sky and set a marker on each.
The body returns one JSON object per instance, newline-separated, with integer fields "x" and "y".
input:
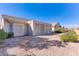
{"x": 66, "y": 14}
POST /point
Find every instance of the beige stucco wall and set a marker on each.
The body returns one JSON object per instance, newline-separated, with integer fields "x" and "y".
{"x": 6, "y": 27}
{"x": 1, "y": 22}
{"x": 30, "y": 28}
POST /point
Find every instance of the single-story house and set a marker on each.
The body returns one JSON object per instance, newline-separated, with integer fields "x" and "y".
{"x": 19, "y": 26}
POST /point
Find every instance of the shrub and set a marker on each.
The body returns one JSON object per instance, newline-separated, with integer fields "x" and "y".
{"x": 10, "y": 35}
{"x": 3, "y": 34}
{"x": 69, "y": 37}
{"x": 57, "y": 30}
{"x": 60, "y": 30}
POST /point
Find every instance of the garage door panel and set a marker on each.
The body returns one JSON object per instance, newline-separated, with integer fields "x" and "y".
{"x": 18, "y": 29}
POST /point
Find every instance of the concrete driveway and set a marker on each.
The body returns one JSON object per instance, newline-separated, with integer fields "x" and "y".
{"x": 46, "y": 45}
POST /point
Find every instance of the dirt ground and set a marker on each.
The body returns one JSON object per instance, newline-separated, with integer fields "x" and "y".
{"x": 46, "y": 45}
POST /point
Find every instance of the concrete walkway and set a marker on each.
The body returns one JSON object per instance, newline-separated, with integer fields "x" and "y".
{"x": 47, "y": 45}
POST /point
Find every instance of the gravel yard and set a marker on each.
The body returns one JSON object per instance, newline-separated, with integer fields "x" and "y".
{"x": 47, "y": 45}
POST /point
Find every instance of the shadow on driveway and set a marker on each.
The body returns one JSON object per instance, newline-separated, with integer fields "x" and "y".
{"x": 40, "y": 43}
{"x": 30, "y": 42}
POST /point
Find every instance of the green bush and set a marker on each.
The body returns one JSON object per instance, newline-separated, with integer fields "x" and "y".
{"x": 3, "y": 34}
{"x": 10, "y": 35}
{"x": 71, "y": 36}
{"x": 58, "y": 31}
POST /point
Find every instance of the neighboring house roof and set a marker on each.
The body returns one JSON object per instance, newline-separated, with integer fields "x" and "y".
{"x": 53, "y": 24}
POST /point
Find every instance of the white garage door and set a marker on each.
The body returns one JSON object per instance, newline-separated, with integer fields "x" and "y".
{"x": 18, "y": 29}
